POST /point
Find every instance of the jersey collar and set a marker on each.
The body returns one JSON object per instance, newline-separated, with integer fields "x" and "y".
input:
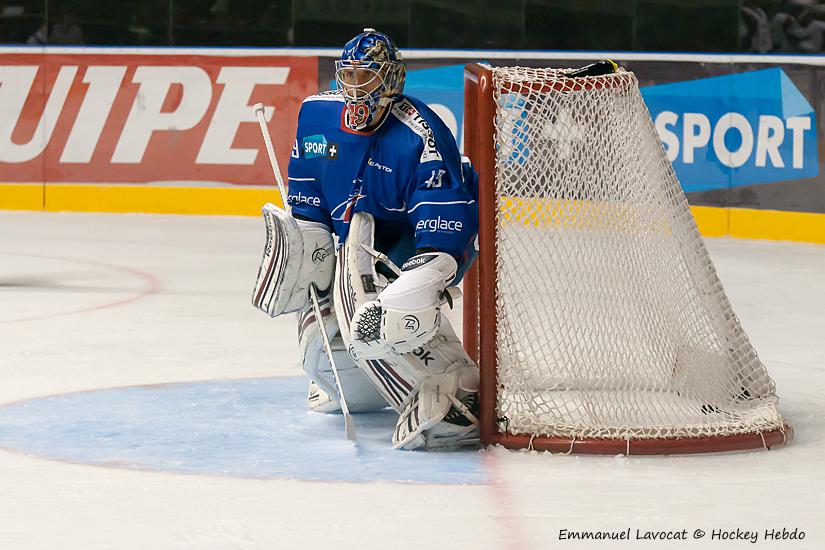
{"x": 384, "y": 118}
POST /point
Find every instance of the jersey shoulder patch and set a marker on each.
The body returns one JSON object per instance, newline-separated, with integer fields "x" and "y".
{"x": 410, "y": 116}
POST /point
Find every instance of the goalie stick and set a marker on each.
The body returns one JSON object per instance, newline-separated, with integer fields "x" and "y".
{"x": 349, "y": 425}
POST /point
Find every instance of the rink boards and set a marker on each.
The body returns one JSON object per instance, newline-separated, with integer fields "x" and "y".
{"x": 169, "y": 130}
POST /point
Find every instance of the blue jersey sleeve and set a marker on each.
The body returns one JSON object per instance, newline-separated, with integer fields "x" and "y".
{"x": 442, "y": 197}
{"x": 442, "y": 208}
{"x": 305, "y": 192}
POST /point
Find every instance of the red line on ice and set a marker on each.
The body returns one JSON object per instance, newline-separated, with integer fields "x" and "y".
{"x": 153, "y": 285}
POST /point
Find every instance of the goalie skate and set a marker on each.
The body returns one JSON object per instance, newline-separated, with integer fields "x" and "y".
{"x": 320, "y": 401}
{"x": 456, "y": 429}
{"x": 441, "y": 415}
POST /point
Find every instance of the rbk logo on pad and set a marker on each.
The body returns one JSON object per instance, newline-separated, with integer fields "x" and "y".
{"x": 735, "y": 130}
{"x": 319, "y": 255}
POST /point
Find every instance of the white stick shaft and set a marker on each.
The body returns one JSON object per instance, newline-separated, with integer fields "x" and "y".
{"x": 348, "y": 423}
{"x": 259, "y": 112}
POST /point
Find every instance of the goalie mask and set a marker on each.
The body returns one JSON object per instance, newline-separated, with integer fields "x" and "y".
{"x": 369, "y": 74}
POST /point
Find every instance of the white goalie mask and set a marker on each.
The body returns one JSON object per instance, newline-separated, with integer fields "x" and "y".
{"x": 369, "y": 74}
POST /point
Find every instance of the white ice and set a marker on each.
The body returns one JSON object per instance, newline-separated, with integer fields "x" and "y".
{"x": 90, "y": 301}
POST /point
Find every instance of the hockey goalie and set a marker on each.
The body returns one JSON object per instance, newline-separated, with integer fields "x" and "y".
{"x": 383, "y": 220}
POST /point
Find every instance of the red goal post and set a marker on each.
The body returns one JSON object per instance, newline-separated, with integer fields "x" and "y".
{"x": 483, "y": 303}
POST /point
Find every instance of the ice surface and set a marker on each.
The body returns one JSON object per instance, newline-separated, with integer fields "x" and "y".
{"x": 107, "y": 302}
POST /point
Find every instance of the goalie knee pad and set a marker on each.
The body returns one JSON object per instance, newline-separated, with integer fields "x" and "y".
{"x": 298, "y": 253}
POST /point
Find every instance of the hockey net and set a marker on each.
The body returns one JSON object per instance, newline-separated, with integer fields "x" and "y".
{"x": 611, "y": 331}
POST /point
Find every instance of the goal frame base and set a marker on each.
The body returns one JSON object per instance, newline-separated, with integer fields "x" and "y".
{"x": 644, "y": 447}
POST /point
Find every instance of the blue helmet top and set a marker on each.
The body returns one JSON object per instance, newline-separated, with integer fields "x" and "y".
{"x": 371, "y": 46}
{"x": 370, "y": 73}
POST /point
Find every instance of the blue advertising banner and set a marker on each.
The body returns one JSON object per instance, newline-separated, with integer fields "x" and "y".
{"x": 442, "y": 88}
{"x": 722, "y": 132}
{"x": 730, "y": 131}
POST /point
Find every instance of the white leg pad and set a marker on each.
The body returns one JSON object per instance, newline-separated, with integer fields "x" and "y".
{"x": 426, "y": 409}
{"x": 357, "y": 282}
{"x": 360, "y": 394}
{"x": 423, "y": 385}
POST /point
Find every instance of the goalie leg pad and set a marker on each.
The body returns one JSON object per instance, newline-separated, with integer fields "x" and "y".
{"x": 297, "y": 253}
{"x": 358, "y": 282}
{"x": 442, "y": 413}
{"x": 360, "y": 394}
{"x": 320, "y": 401}
{"x": 400, "y": 377}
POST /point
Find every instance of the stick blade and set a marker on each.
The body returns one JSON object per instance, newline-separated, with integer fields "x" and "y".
{"x": 350, "y": 427}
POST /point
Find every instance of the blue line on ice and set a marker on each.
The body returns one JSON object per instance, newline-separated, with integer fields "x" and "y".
{"x": 258, "y": 428}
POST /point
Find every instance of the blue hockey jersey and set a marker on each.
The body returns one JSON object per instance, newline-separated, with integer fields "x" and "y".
{"x": 407, "y": 173}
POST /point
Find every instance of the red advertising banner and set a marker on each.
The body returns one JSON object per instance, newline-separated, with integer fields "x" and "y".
{"x": 165, "y": 118}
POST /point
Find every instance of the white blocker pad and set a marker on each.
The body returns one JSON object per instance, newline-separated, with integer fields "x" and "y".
{"x": 360, "y": 394}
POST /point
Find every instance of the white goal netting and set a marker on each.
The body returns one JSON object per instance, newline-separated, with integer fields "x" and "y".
{"x": 611, "y": 320}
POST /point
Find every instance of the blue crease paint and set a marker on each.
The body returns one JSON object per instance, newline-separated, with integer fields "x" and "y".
{"x": 251, "y": 428}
